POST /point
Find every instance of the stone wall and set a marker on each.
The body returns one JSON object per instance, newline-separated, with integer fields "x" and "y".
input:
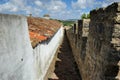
{"x": 98, "y": 53}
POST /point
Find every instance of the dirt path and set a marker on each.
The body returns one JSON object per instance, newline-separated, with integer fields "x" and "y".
{"x": 65, "y": 68}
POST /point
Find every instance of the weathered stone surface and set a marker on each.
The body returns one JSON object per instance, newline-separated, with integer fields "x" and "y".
{"x": 98, "y": 56}
{"x": 117, "y": 19}
{"x": 118, "y": 6}
{"x": 80, "y": 26}
{"x": 116, "y": 30}
{"x": 85, "y": 28}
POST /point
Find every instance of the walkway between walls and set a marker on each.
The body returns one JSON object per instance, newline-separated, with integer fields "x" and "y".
{"x": 66, "y": 68}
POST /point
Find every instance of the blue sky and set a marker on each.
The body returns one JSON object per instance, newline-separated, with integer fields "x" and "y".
{"x": 57, "y": 9}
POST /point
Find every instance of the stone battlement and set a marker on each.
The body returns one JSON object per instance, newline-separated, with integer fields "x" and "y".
{"x": 98, "y": 53}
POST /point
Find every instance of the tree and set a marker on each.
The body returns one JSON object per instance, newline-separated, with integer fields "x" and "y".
{"x": 88, "y": 16}
{"x": 85, "y": 16}
{"x": 46, "y": 15}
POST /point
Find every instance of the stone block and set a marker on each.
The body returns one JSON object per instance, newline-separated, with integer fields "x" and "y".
{"x": 117, "y": 18}
{"x": 118, "y": 6}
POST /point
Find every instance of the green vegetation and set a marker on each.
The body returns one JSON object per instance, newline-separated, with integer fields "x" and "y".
{"x": 67, "y": 23}
{"x": 46, "y": 15}
{"x": 85, "y": 16}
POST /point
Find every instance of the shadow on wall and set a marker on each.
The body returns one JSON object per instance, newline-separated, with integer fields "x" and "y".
{"x": 112, "y": 67}
{"x": 66, "y": 67}
{"x": 97, "y": 55}
{"x": 44, "y": 54}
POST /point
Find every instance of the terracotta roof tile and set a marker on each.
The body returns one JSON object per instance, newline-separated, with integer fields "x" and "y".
{"x": 41, "y": 29}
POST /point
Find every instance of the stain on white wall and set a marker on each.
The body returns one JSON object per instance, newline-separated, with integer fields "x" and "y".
{"x": 18, "y": 60}
{"x": 16, "y": 53}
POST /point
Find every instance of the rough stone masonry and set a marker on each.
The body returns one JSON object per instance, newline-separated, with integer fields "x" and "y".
{"x": 98, "y": 53}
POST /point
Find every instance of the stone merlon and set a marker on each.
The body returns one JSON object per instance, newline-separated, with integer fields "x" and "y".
{"x": 98, "y": 54}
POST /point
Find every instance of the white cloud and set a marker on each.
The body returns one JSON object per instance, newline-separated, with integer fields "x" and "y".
{"x": 82, "y": 4}
{"x": 12, "y": 6}
{"x": 38, "y": 3}
{"x": 19, "y": 3}
{"x": 104, "y": 4}
{"x": 51, "y": 5}
{"x": 56, "y": 6}
{"x": 8, "y": 7}
{"x": 111, "y": 1}
{"x": 17, "y": 6}
{"x": 15, "y": 9}
{"x": 35, "y": 7}
{"x": 67, "y": 14}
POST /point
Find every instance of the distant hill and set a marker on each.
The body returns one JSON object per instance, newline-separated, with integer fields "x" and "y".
{"x": 67, "y": 22}
{"x": 71, "y": 20}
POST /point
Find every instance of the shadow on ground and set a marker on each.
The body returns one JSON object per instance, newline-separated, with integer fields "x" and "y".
{"x": 66, "y": 68}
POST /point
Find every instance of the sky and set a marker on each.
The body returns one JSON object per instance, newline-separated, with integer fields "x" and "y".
{"x": 57, "y": 9}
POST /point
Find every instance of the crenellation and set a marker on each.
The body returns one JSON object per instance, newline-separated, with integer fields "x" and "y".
{"x": 80, "y": 23}
{"x": 74, "y": 28}
{"x": 99, "y": 50}
{"x": 95, "y": 44}
{"x": 118, "y": 7}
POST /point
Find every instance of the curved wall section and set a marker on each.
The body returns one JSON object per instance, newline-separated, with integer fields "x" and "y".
{"x": 44, "y": 54}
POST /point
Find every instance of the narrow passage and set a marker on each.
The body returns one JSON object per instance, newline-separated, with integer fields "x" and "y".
{"x": 66, "y": 68}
